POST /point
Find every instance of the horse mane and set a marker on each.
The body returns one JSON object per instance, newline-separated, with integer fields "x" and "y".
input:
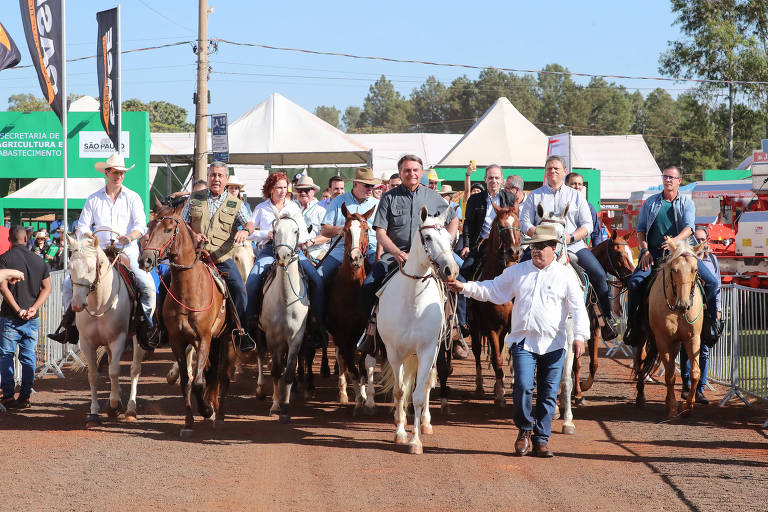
{"x": 682, "y": 249}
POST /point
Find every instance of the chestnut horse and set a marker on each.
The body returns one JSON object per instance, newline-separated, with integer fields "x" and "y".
{"x": 675, "y": 316}
{"x": 194, "y": 314}
{"x": 616, "y": 259}
{"x": 346, "y": 318}
{"x": 490, "y": 322}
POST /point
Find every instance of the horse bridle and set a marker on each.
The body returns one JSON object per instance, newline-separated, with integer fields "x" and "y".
{"x": 164, "y": 251}
{"x": 295, "y": 249}
{"x": 674, "y": 292}
{"x": 432, "y": 263}
{"x": 363, "y": 230}
{"x": 95, "y": 284}
{"x": 504, "y": 250}
{"x": 613, "y": 270}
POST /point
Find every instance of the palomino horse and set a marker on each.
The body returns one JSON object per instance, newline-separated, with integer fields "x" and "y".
{"x": 284, "y": 314}
{"x": 346, "y": 318}
{"x": 244, "y": 258}
{"x": 411, "y": 321}
{"x": 194, "y": 314}
{"x": 490, "y": 322}
{"x": 103, "y": 306}
{"x": 675, "y": 316}
{"x": 616, "y": 259}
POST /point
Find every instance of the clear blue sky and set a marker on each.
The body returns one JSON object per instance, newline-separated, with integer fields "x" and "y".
{"x": 623, "y": 38}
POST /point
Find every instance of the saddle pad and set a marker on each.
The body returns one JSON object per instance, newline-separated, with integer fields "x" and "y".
{"x": 129, "y": 280}
{"x": 386, "y": 280}
{"x": 220, "y": 283}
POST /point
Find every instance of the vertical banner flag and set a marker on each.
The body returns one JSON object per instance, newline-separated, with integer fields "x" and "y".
{"x": 560, "y": 145}
{"x": 44, "y": 28}
{"x": 9, "y": 54}
{"x": 219, "y": 139}
{"x": 107, "y": 70}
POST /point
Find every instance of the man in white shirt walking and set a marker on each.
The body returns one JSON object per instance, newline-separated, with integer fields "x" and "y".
{"x": 118, "y": 216}
{"x": 545, "y": 293}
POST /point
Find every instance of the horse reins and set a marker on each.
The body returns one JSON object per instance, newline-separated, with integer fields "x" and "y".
{"x": 683, "y": 310}
{"x": 294, "y": 254}
{"x": 95, "y": 284}
{"x": 432, "y": 263}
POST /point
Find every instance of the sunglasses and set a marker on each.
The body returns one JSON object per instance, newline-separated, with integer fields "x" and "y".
{"x": 665, "y": 177}
{"x": 540, "y": 246}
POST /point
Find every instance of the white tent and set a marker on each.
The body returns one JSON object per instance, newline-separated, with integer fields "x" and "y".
{"x": 625, "y": 163}
{"x": 84, "y": 104}
{"x": 77, "y": 188}
{"x": 502, "y": 136}
{"x": 282, "y": 133}
{"x": 389, "y": 147}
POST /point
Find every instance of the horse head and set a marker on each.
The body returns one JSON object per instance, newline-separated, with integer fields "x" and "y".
{"x": 437, "y": 244}
{"x": 682, "y": 268}
{"x": 85, "y": 266}
{"x": 160, "y": 240}
{"x": 615, "y": 256}
{"x": 558, "y": 220}
{"x": 285, "y": 236}
{"x": 355, "y": 235}
{"x": 507, "y": 227}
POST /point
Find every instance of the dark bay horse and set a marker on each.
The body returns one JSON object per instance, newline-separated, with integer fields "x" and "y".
{"x": 616, "y": 259}
{"x": 345, "y": 318}
{"x": 675, "y": 317}
{"x": 194, "y": 313}
{"x": 490, "y": 322}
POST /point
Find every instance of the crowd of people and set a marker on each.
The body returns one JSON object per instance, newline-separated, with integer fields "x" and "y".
{"x": 220, "y": 218}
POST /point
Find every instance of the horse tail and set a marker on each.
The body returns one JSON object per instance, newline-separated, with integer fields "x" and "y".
{"x": 387, "y": 379}
{"x": 78, "y": 365}
{"x": 647, "y": 358}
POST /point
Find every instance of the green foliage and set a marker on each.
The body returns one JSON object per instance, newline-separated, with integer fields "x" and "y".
{"x": 163, "y": 116}
{"x": 351, "y": 117}
{"x": 384, "y": 109}
{"x": 328, "y": 114}
{"x": 27, "y": 103}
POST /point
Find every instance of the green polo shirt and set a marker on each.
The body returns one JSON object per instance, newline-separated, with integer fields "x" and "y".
{"x": 663, "y": 224}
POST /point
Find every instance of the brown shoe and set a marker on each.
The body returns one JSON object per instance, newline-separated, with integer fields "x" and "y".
{"x": 523, "y": 443}
{"x": 541, "y": 449}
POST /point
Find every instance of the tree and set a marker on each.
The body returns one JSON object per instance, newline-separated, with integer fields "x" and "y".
{"x": 430, "y": 106}
{"x": 492, "y": 84}
{"x": 659, "y": 123}
{"x": 27, "y": 103}
{"x": 384, "y": 109}
{"x": 563, "y": 106}
{"x": 610, "y": 107}
{"x": 163, "y": 116}
{"x": 351, "y": 118}
{"x": 711, "y": 47}
{"x": 754, "y": 60}
{"x": 328, "y": 114}
{"x": 699, "y": 144}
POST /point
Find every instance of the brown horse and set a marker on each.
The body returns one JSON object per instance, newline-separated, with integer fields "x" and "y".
{"x": 675, "y": 316}
{"x": 194, "y": 313}
{"x": 615, "y": 257}
{"x": 490, "y": 322}
{"x": 346, "y": 318}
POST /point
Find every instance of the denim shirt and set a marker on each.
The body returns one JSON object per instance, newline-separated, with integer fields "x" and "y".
{"x": 683, "y": 209}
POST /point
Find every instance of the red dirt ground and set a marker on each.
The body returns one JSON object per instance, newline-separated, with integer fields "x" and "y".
{"x": 621, "y": 458}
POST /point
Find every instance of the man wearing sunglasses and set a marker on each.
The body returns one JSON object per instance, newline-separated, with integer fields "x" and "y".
{"x": 664, "y": 216}
{"x": 545, "y": 293}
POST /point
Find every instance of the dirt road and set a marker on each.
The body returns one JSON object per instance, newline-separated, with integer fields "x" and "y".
{"x": 621, "y": 458}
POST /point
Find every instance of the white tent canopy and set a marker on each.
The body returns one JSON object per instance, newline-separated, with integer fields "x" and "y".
{"x": 282, "y": 133}
{"x": 77, "y": 188}
{"x": 625, "y": 163}
{"x": 389, "y": 147}
{"x": 502, "y": 136}
{"x": 84, "y": 104}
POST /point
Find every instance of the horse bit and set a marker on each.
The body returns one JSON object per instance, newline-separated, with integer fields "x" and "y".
{"x": 163, "y": 251}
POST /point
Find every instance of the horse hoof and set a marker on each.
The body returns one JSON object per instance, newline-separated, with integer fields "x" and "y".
{"x": 114, "y": 412}
{"x": 479, "y": 391}
{"x": 92, "y": 421}
{"x": 415, "y": 449}
{"x": 343, "y": 399}
{"x": 401, "y": 439}
{"x": 569, "y": 429}
{"x": 499, "y": 402}
{"x": 283, "y": 418}
{"x": 579, "y": 400}
{"x": 274, "y": 411}
{"x": 369, "y": 411}
{"x": 130, "y": 416}
{"x": 186, "y": 433}
{"x": 260, "y": 393}
{"x": 426, "y": 430}
{"x": 206, "y": 412}
{"x": 639, "y": 402}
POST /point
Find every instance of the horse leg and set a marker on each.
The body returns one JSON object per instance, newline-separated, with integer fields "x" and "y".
{"x": 498, "y": 368}
{"x": 692, "y": 348}
{"x": 289, "y": 376}
{"x": 309, "y": 385}
{"x": 325, "y": 368}
{"x": 444, "y": 356}
{"x": 421, "y": 417}
{"x": 342, "y": 383}
{"x": 593, "y": 347}
{"x": 277, "y": 372}
{"x": 173, "y": 373}
{"x": 669, "y": 375}
{"x": 186, "y": 391}
{"x": 198, "y": 385}
{"x": 566, "y": 383}
{"x": 115, "y": 405}
{"x": 370, "y": 393}
{"x": 477, "y": 351}
{"x": 138, "y": 356}
{"x": 226, "y": 363}
{"x": 398, "y": 393}
{"x": 89, "y": 351}
{"x": 260, "y": 357}
{"x": 639, "y": 356}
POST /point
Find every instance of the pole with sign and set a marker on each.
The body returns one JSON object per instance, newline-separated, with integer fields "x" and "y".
{"x": 219, "y": 138}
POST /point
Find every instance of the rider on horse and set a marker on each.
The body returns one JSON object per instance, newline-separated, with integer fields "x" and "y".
{"x": 397, "y": 220}
{"x": 554, "y": 197}
{"x": 669, "y": 215}
{"x": 115, "y": 210}
{"x": 216, "y": 216}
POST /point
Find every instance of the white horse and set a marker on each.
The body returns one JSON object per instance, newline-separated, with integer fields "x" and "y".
{"x": 566, "y": 381}
{"x": 102, "y": 305}
{"x": 244, "y": 258}
{"x": 410, "y": 321}
{"x": 284, "y": 314}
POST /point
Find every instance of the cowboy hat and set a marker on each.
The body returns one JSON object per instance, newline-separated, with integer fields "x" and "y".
{"x": 432, "y": 175}
{"x": 41, "y": 234}
{"x": 545, "y": 232}
{"x": 445, "y": 190}
{"x": 235, "y": 181}
{"x": 306, "y": 182}
{"x": 365, "y": 175}
{"x": 115, "y": 161}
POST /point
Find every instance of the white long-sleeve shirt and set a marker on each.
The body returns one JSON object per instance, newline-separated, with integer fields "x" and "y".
{"x": 543, "y": 300}
{"x": 553, "y": 200}
{"x": 264, "y": 215}
{"x": 124, "y": 215}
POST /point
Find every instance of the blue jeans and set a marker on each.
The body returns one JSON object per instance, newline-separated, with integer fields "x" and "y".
{"x": 262, "y": 264}
{"x": 22, "y": 333}
{"x": 685, "y": 368}
{"x": 547, "y": 378}
{"x": 596, "y": 274}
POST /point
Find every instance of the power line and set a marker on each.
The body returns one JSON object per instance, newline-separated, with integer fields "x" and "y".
{"x": 145, "y": 4}
{"x": 472, "y": 66}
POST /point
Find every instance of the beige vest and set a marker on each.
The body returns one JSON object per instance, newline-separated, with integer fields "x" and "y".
{"x": 219, "y": 229}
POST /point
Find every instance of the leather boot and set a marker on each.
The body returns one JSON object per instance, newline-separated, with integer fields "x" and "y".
{"x": 367, "y": 343}
{"x": 146, "y": 331}
{"x": 66, "y": 332}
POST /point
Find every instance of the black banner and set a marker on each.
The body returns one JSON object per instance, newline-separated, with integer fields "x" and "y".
{"x": 43, "y": 26}
{"x": 9, "y": 54}
{"x": 107, "y": 70}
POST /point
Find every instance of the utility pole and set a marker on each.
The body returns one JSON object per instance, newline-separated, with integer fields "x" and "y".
{"x": 201, "y": 104}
